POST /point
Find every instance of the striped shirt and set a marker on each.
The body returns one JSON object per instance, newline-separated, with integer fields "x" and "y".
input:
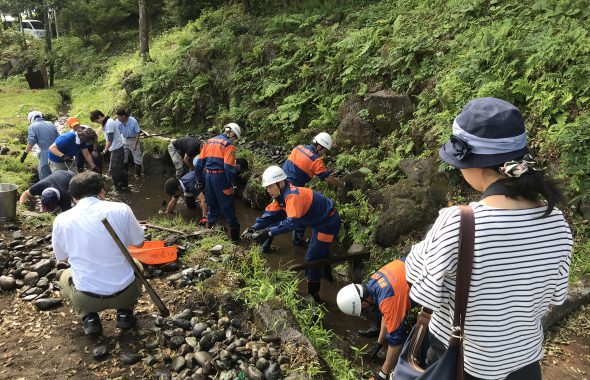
{"x": 520, "y": 268}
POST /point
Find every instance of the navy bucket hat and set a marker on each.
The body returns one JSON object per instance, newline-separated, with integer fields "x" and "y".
{"x": 488, "y": 132}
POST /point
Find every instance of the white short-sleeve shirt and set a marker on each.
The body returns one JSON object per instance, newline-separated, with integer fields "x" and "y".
{"x": 98, "y": 266}
{"x": 111, "y": 127}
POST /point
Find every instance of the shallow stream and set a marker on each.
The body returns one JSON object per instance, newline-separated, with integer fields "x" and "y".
{"x": 146, "y": 196}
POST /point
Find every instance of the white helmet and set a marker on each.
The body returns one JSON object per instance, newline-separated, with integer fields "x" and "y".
{"x": 234, "y": 128}
{"x": 273, "y": 174}
{"x": 324, "y": 140}
{"x": 349, "y": 299}
{"x": 33, "y": 115}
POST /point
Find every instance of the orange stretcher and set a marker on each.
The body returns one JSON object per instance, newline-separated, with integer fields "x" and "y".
{"x": 154, "y": 252}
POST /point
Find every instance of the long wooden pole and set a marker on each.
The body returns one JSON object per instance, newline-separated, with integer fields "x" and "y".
{"x": 153, "y": 295}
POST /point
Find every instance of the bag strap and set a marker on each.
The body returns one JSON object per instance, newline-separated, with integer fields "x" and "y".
{"x": 464, "y": 265}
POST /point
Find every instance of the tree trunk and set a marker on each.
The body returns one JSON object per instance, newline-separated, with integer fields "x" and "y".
{"x": 144, "y": 29}
{"x": 49, "y": 58}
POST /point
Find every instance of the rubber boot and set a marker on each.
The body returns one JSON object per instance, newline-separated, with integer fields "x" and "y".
{"x": 126, "y": 167}
{"x": 313, "y": 289}
{"x": 234, "y": 232}
{"x": 137, "y": 171}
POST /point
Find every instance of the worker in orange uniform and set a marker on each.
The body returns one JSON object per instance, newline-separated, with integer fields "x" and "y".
{"x": 294, "y": 207}
{"x": 305, "y": 162}
{"x": 388, "y": 294}
{"x": 215, "y": 170}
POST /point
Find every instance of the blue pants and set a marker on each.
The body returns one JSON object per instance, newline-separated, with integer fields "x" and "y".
{"x": 322, "y": 237}
{"x": 220, "y": 199}
{"x": 43, "y": 168}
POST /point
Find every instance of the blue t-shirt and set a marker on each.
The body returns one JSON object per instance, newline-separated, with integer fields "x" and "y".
{"x": 68, "y": 144}
{"x": 130, "y": 128}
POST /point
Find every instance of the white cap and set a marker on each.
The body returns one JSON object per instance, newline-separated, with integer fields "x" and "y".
{"x": 273, "y": 174}
{"x": 234, "y": 128}
{"x": 324, "y": 140}
{"x": 33, "y": 115}
{"x": 349, "y": 299}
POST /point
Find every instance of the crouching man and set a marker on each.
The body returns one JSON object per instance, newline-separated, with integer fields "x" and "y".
{"x": 100, "y": 277}
{"x": 387, "y": 294}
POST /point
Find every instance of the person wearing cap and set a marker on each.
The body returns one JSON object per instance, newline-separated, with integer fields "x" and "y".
{"x": 215, "y": 170}
{"x": 41, "y": 133}
{"x": 183, "y": 152}
{"x": 294, "y": 207}
{"x": 386, "y": 294}
{"x": 521, "y": 255}
{"x": 99, "y": 277}
{"x": 92, "y": 146}
{"x": 54, "y": 191}
{"x": 114, "y": 145}
{"x": 63, "y": 152}
{"x": 185, "y": 187}
{"x": 131, "y": 132}
{"x": 305, "y": 162}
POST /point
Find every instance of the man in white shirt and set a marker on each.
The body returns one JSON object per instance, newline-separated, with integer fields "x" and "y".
{"x": 100, "y": 277}
{"x": 114, "y": 145}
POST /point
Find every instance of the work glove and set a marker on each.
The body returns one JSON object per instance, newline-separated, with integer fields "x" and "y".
{"x": 22, "y": 158}
{"x": 261, "y": 236}
{"x": 67, "y": 159}
{"x": 248, "y": 232}
{"x": 374, "y": 351}
{"x": 379, "y": 375}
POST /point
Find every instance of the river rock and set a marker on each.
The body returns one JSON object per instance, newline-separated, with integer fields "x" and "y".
{"x": 251, "y": 372}
{"x": 43, "y": 267}
{"x": 130, "y": 358}
{"x": 273, "y": 372}
{"x": 263, "y": 352}
{"x": 31, "y": 278}
{"x": 175, "y": 342}
{"x": 198, "y": 329}
{"x": 178, "y": 364}
{"x": 191, "y": 341}
{"x": 152, "y": 344}
{"x": 43, "y": 283}
{"x": 150, "y": 360}
{"x": 47, "y": 303}
{"x": 216, "y": 250}
{"x": 204, "y": 360}
{"x": 100, "y": 352}
{"x": 182, "y": 323}
{"x": 262, "y": 364}
{"x": 7, "y": 283}
{"x": 163, "y": 374}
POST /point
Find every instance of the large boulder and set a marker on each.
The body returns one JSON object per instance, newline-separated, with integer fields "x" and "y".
{"x": 157, "y": 166}
{"x": 388, "y": 110}
{"x": 355, "y": 131}
{"x": 412, "y": 203}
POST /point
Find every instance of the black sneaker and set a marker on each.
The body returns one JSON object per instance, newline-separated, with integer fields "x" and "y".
{"x": 91, "y": 324}
{"x": 125, "y": 319}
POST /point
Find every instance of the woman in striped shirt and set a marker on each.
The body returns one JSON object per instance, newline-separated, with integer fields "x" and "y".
{"x": 521, "y": 255}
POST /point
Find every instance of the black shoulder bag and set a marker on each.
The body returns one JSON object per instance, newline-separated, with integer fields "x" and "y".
{"x": 450, "y": 364}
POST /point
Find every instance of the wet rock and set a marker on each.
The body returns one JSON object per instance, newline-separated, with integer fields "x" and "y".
{"x": 32, "y": 290}
{"x": 130, "y": 358}
{"x": 31, "y": 278}
{"x": 262, "y": 364}
{"x": 216, "y": 250}
{"x": 185, "y": 314}
{"x": 273, "y": 372}
{"x": 47, "y": 303}
{"x": 7, "y": 283}
{"x": 178, "y": 364}
{"x": 184, "y": 349}
{"x": 235, "y": 322}
{"x": 150, "y": 360}
{"x": 199, "y": 328}
{"x": 152, "y": 344}
{"x": 182, "y": 323}
{"x": 251, "y": 372}
{"x": 30, "y": 297}
{"x": 100, "y": 352}
{"x": 283, "y": 359}
{"x": 163, "y": 374}
{"x": 43, "y": 267}
{"x": 190, "y": 360}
